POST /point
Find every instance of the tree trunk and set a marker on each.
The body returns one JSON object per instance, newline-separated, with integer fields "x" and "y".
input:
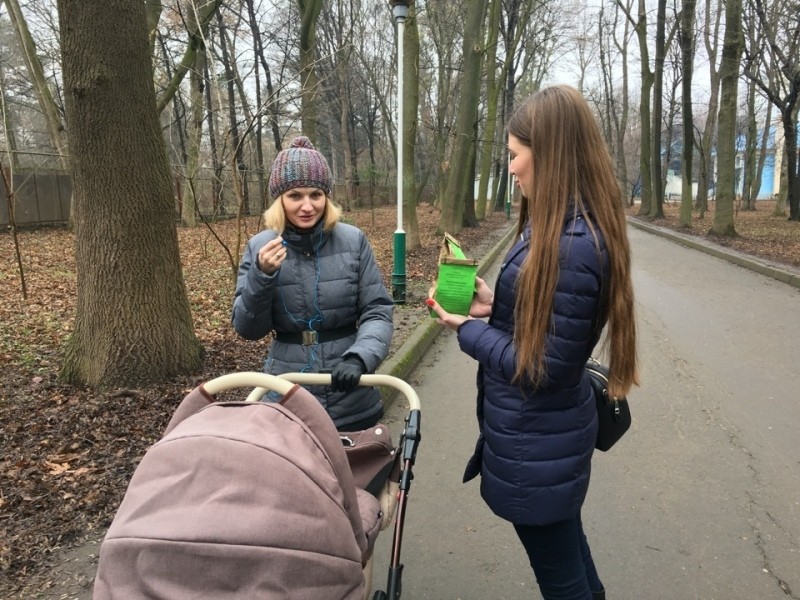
{"x": 309, "y": 14}
{"x": 55, "y": 128}
{"x": 461, "y": 179}
{"x": 687, "y": 153}
{"x": 710, "y": 37}
{"x": 645, "y": 140}
{"x": 196, "y": 34}
{"x": 409, "y": 135}
{"x": 272, "y": 95}
{"x": 189, "y": 208}
{"x": 133, "y": 324}
{"x": 792, "y": 181}
{"x": 657, "y": 206}
{"x": 762, "y": 154}
{"x": 726, "y": 151}
{"x": 493, "y": 88}
{"x": 749, "y": 155}
{"x": 8, "y": 133}
{"x": 237, "y": 160}
{"x": 216, "y": 181}
{"x": 622, "y": 124}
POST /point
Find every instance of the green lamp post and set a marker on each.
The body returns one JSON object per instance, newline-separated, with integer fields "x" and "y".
{"x": 400, "y": 13}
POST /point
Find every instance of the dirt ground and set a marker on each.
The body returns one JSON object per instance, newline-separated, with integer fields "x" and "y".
{"x": 68, "y": 452}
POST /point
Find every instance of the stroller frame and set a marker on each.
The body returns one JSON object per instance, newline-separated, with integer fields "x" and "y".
{"x": 407, "y": 446}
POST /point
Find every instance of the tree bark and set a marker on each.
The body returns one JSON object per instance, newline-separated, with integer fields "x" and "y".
{"x": 133, "y": 323}
{"x": 55, "y": 127}
{"x": 726, "y": 150}
{"x": 687, "y": 152}
{"x": 409, "y": 136}
{"x": 461, "y": 179}
{"x": 197, "y": 83}
{"x": 645, "y": 141}
{"x": 196, "y": 40}
{"x": 309, "y": 13}
{"x": 657, "y": 206}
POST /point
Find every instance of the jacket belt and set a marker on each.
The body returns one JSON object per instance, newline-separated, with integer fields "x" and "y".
{"x": 310, "y": 337}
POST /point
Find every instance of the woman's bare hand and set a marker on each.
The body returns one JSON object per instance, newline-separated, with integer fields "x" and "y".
{"x": 271, "y": 255}
{"x": 447, "y": 319}
{"x": 482, "y": 300}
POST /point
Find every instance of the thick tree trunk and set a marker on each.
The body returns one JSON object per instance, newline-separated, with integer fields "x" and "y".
{"x": 645, "y": 139}
{"x": 133, "y": 323}
{"x": 461, "y": 177}
{"x": 710, "y": 38}
{"x": 657, "y": 206}
{"x": 493, "y": 88}
{"x": 409, "y": 135}
{"x": 309, "y": 14}
{"x": 729, "y": 77}
{"x": 687, "y": 154}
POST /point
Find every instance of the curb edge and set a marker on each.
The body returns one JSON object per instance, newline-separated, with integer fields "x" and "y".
{"x": 409, "y": 354}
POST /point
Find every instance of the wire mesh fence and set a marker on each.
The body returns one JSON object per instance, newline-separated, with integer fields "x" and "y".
{"x": 42, "y": 196}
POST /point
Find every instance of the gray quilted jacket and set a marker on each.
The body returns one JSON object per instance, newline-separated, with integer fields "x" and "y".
{"x": 329, "y": 280}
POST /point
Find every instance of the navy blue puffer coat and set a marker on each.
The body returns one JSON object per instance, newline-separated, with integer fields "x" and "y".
{"x": 535, "y": 446}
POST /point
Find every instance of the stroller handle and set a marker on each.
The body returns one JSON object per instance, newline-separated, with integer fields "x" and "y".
{"x": 325, "y": 379}
{"x": 231, "y": 381}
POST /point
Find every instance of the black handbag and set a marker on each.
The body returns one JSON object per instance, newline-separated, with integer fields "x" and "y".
{"x": 613, "y": 414}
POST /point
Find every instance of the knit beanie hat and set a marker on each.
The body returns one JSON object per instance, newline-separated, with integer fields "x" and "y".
{"x": 300, "y": 165}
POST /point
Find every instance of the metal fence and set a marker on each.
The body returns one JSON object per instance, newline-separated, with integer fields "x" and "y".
{"x": 42, "y": 197}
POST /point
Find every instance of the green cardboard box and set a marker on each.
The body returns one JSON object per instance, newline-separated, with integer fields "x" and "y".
{"x": 455, "y": 282}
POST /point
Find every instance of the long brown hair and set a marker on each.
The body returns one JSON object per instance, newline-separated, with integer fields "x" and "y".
{"x": 571, "y": 169}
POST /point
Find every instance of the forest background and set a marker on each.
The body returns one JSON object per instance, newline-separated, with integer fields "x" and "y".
{"x": 152, "y": 115}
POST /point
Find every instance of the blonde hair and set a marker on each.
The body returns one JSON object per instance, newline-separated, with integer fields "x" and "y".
{"x": 275, "y": 217}
{"x": 571, "y": 167}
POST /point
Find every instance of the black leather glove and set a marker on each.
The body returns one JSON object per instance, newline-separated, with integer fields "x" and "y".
{"x": 346, "y": 374}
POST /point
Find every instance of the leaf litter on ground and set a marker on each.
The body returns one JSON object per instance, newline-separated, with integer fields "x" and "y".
{"x": 68, "y": 452}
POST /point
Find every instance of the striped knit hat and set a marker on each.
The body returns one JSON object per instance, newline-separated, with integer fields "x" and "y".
{"x": 300, "y": 165}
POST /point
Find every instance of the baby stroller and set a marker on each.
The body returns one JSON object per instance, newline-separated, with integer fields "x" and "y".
{"x": 252, "y": 499}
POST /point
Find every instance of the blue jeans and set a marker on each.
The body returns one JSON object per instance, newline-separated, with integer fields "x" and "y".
{"x": 561, "y": 559}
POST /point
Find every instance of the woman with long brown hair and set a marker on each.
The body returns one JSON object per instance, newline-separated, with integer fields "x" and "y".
{"x": 565, "y": 280}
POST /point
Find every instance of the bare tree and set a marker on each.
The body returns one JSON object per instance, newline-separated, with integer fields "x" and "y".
{"x": 726, "y": 146}
{"x": 657, "y": 206}
{"x": 309, "y": 14}
{"x": 780, "y": 80}
{"x": 494, "y": 87}
{"x": 441, "y": 17}
{"x": 41, "y": 86}
{"x": 460, "y": 181}
{"x": 687, "y": 41}
{"x": 408, "y": 136}
{"x": 639, "y": 25}
{"x": 711, "y": 39}
{"x": 132, "y": 322}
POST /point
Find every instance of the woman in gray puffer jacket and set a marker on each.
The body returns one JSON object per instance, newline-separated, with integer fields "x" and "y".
{"x": 314, "y": 282}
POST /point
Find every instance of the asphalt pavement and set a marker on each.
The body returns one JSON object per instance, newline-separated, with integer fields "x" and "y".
{"x": 700, "y": 500}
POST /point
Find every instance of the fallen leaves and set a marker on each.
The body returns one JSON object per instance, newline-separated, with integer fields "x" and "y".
{"x": 69, "y": 452}
{"x": 760, "y": 232}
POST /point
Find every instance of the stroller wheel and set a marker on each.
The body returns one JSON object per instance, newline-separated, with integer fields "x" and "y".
{"x": 379, "y": 595}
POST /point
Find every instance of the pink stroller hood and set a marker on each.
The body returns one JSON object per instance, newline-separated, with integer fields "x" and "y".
{"x": 241, "y": 500}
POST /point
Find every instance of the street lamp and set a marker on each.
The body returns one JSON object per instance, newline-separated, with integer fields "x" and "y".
{"x": 400, "y": 13}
